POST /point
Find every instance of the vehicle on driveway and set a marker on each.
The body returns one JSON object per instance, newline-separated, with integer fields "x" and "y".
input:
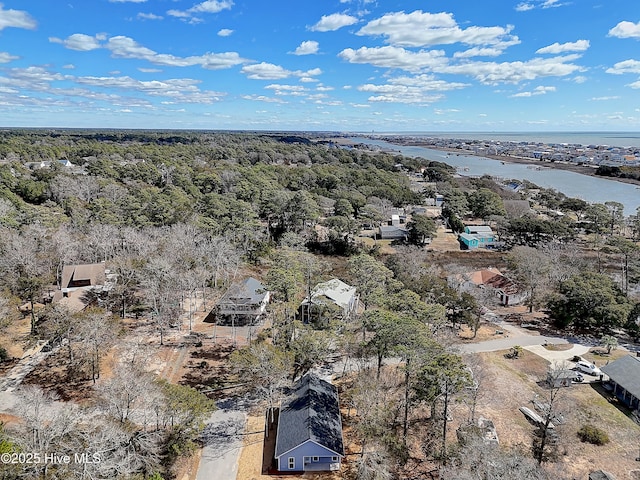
{"x": 587, "y": 367}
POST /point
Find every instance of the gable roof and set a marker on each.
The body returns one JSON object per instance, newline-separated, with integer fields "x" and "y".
{"x": 92, "y": 272}
{"x": 625, "y": 372}
{"x": 479, "y": 229}
{"x": 312, "y": 412}
{"x": 249, "y": 292}
{"x": 335, "y": 290}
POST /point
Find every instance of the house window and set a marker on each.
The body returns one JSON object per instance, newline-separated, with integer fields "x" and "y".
{"x": 315, "y": 459}
{"x": 307, "y": 460}
{"x": 334, "y": 459}
{"x": 292, "y": 463}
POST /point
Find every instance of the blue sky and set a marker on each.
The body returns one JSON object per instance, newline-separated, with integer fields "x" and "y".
{"x": 345, "y": 65}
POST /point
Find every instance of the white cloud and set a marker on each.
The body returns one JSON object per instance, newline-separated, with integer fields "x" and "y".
{"x": 16, "y": 19}
{"x": 212, "y": 6}
{"x": 555, "y": 48}
{"x": 79, "y": 42}
{"x": 536, "y": 91}
{"x": 125, "y": 47}
{"x": 263, "y": 98}
{"x": 626, "y": 66}
{"x": 269, "y": 71}
{"x": 479, "y": 52}
{"x": 492, "y": 73}
{"x": 149, "y": 16}
{"x": 335, "y": 21}
{"x": 634, "y": 85}
{"x": 225, "y": 32}
{"x": 580, "y": 79}
{"x": 625, "y": 30}
{"x": 395, "y": 57}
{"x": 604, "y": 99}
{"x": 418, "y": 28}
{"x": 524, "y": 7}
{"x": 69, "y": 66}
{"x": 309, "y": 47}
{"x": 209, "y": 6}
{"x": 421, "y": 89}
{"x": 6, "y": 57}
{"x": 149, "y": 70}
{"x": 292, "y": 90}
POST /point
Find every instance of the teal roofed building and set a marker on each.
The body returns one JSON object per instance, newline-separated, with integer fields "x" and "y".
{"x": 476, "y": 236}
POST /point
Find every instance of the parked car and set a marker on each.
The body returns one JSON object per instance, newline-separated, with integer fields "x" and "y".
{"x": 586, "y": 367}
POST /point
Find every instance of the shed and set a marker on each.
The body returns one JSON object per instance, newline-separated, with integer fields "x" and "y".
{"x": 309, "y": 433}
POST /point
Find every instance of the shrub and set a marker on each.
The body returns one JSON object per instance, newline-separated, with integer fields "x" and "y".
{"x": 3, "y": 354}
{"x": 591, "y": 434}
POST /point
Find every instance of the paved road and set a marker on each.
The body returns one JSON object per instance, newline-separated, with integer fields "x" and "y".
{"x": 512, "y": 336}
{"x": 223, "y": 443}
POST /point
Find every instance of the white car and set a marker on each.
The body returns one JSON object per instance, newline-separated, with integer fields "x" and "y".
{"x": 587, "y": 367}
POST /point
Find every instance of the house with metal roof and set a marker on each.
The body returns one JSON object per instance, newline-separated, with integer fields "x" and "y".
{"x": 331, "y": 295}
{"x": 624, "y": 375}
{"x": 476, "y": 236}
{"x": 309, "y": 433}
{"x": 243, "y": 303}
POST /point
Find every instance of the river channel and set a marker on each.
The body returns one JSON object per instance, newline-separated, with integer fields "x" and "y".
{"x": 572, "y": 184}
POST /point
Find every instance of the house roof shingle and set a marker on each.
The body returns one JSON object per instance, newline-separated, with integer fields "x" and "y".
{"x": 312, "y": 412}
{"x": 94, "y": 272}
{"x": 249, "y": 292}
{"x": 625, "y": 372}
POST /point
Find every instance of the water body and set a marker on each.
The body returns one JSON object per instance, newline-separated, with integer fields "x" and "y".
{"x": 613, "y": 139}
{"x": 576, "y": 185}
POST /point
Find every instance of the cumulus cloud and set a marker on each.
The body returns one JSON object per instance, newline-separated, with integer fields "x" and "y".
{"x": 263, "y": 98}
{"x": 149, "y": 16}
{"x": 269, "y": 71}
{"x": 209, "y": 6}
{"x": 536, "y": 91}
{"x": 395, "y": 57}
{"x": 6, "y": 57}
{"x": 556, "y": 48}
{"x": 526, "y": 6}
{"x": 16, "y": 19}
{"x": 418, "y": 29}
{"x": 309, "y": 47}
{"x": 125, "y": 47}
{"x": 626, "y": 66}
{"x": 39, "y": 79}
{"x": 225, "y": 32}
{"x": 420, "y": 89}
{"x": 625, "y": 30}
{"x": 80, "y": 42}
{"x": 335, "y": 21}
{"x": 493, "y": 73}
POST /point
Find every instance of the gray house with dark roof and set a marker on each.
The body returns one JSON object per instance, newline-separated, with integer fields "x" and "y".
{"x": 624, "y": 374}
{"x": 243, "y": 303}
{"x": 309, "y": 435}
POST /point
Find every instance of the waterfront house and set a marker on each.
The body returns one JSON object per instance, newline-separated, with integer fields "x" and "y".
{"x": 309, "y": 432}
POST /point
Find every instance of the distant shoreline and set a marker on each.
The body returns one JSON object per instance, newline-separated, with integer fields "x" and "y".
{"x": 581, "y": 169}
